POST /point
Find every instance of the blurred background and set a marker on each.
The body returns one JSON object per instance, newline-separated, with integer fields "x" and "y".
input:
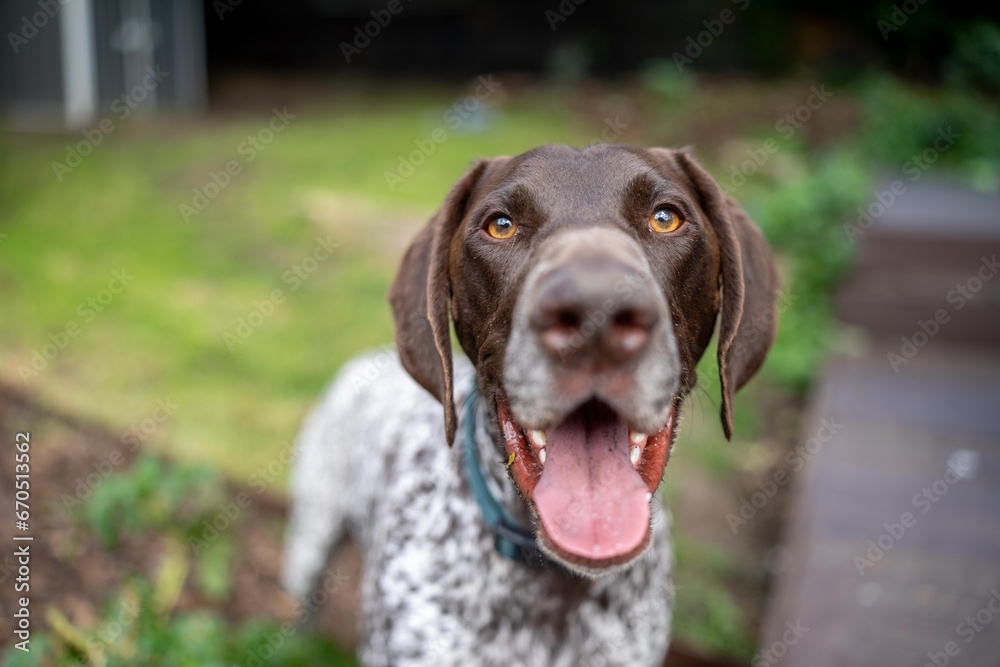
{"x": 202, "y": 205}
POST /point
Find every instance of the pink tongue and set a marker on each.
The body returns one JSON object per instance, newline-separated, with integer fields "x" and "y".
{"x": 591, "y": 501}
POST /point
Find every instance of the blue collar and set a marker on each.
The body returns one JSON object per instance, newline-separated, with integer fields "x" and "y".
{"x": 510, "y": 538}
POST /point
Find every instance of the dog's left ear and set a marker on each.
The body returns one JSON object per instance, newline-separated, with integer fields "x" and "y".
{"x": 749, "y": 284}
{"x": 420, "y": 298}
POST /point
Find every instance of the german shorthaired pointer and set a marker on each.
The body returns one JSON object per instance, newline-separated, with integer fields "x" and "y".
{"x": 583, "y": 286}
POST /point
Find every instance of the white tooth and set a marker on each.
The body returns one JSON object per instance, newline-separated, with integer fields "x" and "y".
{"x": 541, "y": 456}
{"x": 634, "y": 454}
{"x": 537, "y": 437}
{"x": 637, "y": 437}
{"x": 649, "y": 496}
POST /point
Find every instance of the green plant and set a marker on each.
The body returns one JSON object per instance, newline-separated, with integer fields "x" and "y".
{"x": 902, "y": 122}
{"x": 152, "y": 496}
{"x": 976, "y": 58}
{"x": 137, "y": 629}
{"x": 662, "y": 78}
{"x": 804, "y": 220}
{"x": 178, "y": 501}
{"x": 705, "y": 613}
{"x": 140, "y": 624}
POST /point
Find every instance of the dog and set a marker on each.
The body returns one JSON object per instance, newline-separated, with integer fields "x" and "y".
{"x": 583, "y": 285}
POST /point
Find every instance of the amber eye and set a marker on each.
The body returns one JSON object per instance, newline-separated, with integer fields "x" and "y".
{"x": 665, "y": 220}
{"x": 501, "y": 227}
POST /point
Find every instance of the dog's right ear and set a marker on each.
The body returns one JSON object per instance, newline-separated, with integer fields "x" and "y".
{"x": 748, "y": 282}
{"x": 749, "y": 285}
{"x": 421, "y": 295}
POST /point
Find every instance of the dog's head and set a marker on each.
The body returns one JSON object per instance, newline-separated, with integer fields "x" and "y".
{"x": 584, "y": 285}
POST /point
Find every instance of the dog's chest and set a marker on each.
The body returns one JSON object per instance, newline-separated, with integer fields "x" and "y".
{"x": 436, "y": 591}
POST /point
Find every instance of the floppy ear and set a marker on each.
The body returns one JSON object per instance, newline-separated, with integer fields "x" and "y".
{"x": 420, "y": 298}
{"x": 748, "y": 280}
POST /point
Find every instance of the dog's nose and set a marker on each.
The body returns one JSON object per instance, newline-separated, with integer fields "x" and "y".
{"x": 598, "y": 312}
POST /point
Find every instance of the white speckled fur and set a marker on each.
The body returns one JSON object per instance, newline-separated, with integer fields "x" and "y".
{"x": 373, "y": 461}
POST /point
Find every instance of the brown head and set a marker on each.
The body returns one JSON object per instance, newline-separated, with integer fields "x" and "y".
{"x": 584, "y": 285}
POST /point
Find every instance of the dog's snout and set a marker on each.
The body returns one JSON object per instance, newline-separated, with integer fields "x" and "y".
{"x": 596, "y": 312}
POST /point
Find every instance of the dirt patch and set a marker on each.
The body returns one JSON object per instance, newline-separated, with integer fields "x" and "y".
{"x": 72, "y": 573}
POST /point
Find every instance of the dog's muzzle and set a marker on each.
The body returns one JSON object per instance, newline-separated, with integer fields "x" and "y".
{"x": 590, "y": 376}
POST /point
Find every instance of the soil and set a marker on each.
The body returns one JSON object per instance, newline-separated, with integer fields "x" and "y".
{"x": 71, "y": 572}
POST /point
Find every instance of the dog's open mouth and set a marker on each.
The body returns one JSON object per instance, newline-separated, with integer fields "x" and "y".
{"x": 590, "y": 480}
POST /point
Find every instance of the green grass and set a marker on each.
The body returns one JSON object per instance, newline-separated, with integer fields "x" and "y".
{"x": 706, "y": 615}
{"x": 163, "y": 335}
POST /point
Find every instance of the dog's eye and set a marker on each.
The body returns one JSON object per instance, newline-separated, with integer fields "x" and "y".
{"x": 501, "y": 227}
{"x": 665, "y": 220}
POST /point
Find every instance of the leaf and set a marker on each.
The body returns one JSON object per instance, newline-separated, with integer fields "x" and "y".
{"x": 170, "y": 578}
{"x": 74, "y": 638}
